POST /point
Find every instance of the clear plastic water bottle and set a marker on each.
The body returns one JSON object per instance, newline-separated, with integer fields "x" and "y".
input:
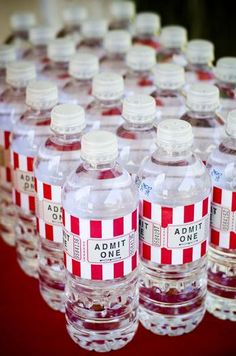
{"x": 116, "y": 44}
{"x": 39, "y": 37}
{"x": 208, "y": 128}
{"x": 100, "y": 204}
{"x": 200, "y": 55}
{"x": 56, "y": 158}
{"x": 137, "y": 135}
{"x": 221, "y": 297}
{"x": 173, "y": 41}
{"x": 105, "y": 111}
{"x": 174, "y": 188}
{"x": 20, "y": 23}
{"x": 169, "y": 79}
{"x": 140, "y": 62}
{"x": 93, "y": 33}
{"x": 12, "y": 105}
{"x": 82, "y": 68}
{"x": 59, "y": 52}
{"x": 7, "y": 55}
{"x": 225, "y": 73}
{"x": 29, "y": 132}
{"x": 147, "y": 27}
{"x": 122, "y": 14}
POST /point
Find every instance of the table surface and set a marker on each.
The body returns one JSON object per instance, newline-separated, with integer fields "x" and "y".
{"x": 29, "y": 327}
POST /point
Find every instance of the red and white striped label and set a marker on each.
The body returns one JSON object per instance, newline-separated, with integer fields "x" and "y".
{"x": 49, "y": 211}
{"x": 5, "y": 164}
{"x": 223, "y": 218}
{"x": 23, "y": 191}
{"x": 175, "y": 235}
{"x": 101, "y": 249}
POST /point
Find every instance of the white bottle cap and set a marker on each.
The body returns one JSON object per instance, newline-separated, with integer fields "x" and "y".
{"x": 226, "y": 69}
{"x": 67, "y": 119}
{"x": 173, "y": 37}
{"x": 141, "y": 58}
{"x": 41, "y": 35}
{"x": 94, "y": 28}
{"x": 203, "y": 97}
{"x": 22, "y": 21}
{"x": 122, "y": 10}
{"x": 61, "y": 50}
{"x": 200, "y": 51}
{"x": 230, "y": 126}
{"x": 7, "y": 55}
{"x": 169, "y": 76}
{"x": 147, "y": 23}
{"x": 174, "y": 135}
{"x": 74, "y": 14}
{"x": 20, "y": 73}
{"x": 139, "y": 109}
{"x": 41, "y": 94}
{"x": 83, "y": 66}
{"x": 99, "y": 147}
{"x": 108, "y": 86}
{"x": 117, "y": 41}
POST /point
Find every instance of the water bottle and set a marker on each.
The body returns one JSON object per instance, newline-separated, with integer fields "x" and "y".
{"x": 221, "y": 296}
{"x": 208, "y": 127}
{"x": 7, "y": 55}
{"x": 147, "y": 27}
{"x": 225, "y": 73}
{"x": 122, "y": 14}
{"x": 174, "y": 188}
{"x": 93, "y": 33}
{"x": 139, "y": 78}
{"x": 173, "y": 40}
{"x": 105, "y": 110}
{"x": 78, "y": 90}
{"x": 137, "y": 135}
{"x": 56, "y": 158}
{"x": 12, "y": 105}
{"x": 29, "y": 132}
{"x": 100, "y": 204}
{"x": 169, "y": 79}
{"x": 116, "y": 44}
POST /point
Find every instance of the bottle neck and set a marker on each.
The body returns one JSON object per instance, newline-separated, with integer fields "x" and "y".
{"x": 168, "y": 92}
{"x": 116, "y": 55}
{"x": 138, "y": 126}
{"x": 200, "y": 66}
{"x": 109, "y": 103}
{"x": 163, "y": 154}
{"x": 82, "y": 80}
{"x": 201, "y": 114}
{"x": 140, "y": 73}
{"x": 60, "y": 65}
{"x": 66, "y": 139}
{"x": 99, "y": 166}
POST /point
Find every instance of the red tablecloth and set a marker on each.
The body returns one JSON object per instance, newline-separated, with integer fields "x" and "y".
{"x": 30, "y": 327}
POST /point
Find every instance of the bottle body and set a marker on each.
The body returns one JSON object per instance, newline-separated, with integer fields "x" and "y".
{"x": 38, "y": 54}
{"x": 170, "y": 103}
{"x": 139, "y": 82}
{"x": 114, "y": 63}
{"x": 104, "y": 292}
{"x": 199, "y": 73}
{"x": 227, "y": 98}
{"x": 148, "y": 40}
{"x": 29, "y": 132}
{"x": 20, "y": 39}
{"x": 173, "y": 262}
{"x": 172, "y": 55}
{"x": 57, "y": 72}
{"x": 77, "y": 92}
{"x": 55, "y": 160}
{"x": 11, "y": 107}
{"x": 221, "y": 295}
{"x": 93, "y": 46}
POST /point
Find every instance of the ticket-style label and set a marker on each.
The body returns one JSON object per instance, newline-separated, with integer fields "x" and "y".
{"x": 5, "y": 161}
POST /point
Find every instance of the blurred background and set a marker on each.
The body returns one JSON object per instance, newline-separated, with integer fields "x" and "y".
{"x": 207, "y": 19}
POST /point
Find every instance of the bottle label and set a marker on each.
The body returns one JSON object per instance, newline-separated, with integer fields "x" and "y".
{"x": 100, "y": 249}
{"x": 223, "y": 218}
{"x": 49, "y": 211}
{"x": 23, "y": 191}
{"x": 5, "y": 169}
{"x": 173, "y": 235}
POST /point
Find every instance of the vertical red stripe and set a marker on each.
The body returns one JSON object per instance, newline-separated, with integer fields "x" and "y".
{"x": 6, "y": 139}
{"x": 76, "y": 270}
{"x": 232, "y": 240}
{"x": 118, "y": 227}
{"x": 233, "y": 204}
{"x": 74, "y": 225}
{"x": 96, "y": 272}
{"x": 17, "y": 198}
{"x": 8, "y": 174}
{"x": 64, "y": 258}
{"x": 187, "y": 255}
{"x": 146, "y": 252}
{"x": 63, "y": 217}
{"x": 217, "y": 195}
{"x": 166, "y": 216}
{"x": 134, "y": 261}
{"x": 205, "y": 207}
{"x": 203, "y": 248}
{"x": 96, "y": 229}
{"x": 134, "y": 220}
{"x": 35, "y": 185}
{"x": 119, "y": 269}
{"x": 37, "y": 225}
{"x": 47, "y": 191}
{"x": 15, "y": 160}
{"x": 166, "y": 256}
{"x": 31, "y": 203}
{"x": 49, "y": 232}
{"x": 147, "y": 209}
{"x": 215, "y": 237}
{"x": 30, "y": 164}
{"x": 189, "y": 213}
